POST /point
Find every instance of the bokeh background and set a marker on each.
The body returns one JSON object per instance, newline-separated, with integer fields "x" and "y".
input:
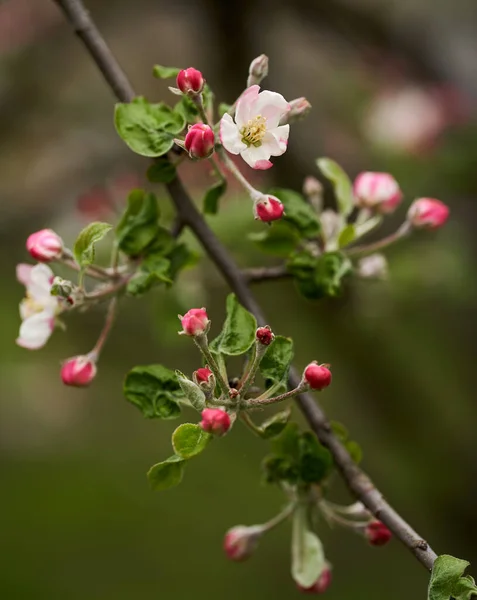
{"x": 393, "y": 88}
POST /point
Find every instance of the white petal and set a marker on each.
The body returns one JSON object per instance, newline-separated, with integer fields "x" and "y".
{"x": 39, "y": 287}
{"x": 276, "y": 140}
{"x": 272, "y": 106}
{"x": 230, "y": 136}
{"x": 24, "y": 273}
{"x": 245, "y": 105}
{"x": 35, "y": 331}
{"x": 257, "y": 158}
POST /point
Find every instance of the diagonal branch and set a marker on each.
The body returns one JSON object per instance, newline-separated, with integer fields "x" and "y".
{"x": 358, "y": 482}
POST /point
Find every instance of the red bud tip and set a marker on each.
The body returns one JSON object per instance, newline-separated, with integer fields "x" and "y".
{"x": 44, "y": 245}
{"x": 200, "y": 141}
{"x": 241, "y": 541}
{"x": 268, "y": 209}
{"x": 428, "y": 213}
{"x": 78, "y": 371}
{"x": 215, "y": 421}
{"x": 377, "y": 533}
{"x": 378, "y": 191}
{"x": 321, "y": 584}
{"x": 195, "y": 321}
{"x": 190, "y": 81}
{"x": 203, "y": 375}
{"x": 317, "y": 376}
{"x": 264, "y": 335}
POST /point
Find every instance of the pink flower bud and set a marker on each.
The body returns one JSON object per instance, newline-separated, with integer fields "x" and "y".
{"x": 264, "y": 335}
{"x": 190, "y": 81}
{"x": 321, "y": 584}
{"x": 317, "y": 376}
{"x": 45, "y": 245}
{"x": 215, "y": 421}
{"x": 195, "y": 322}
{"x": 299, "y": 109}
{"x": 240, "y": 542}
{"x": 78, "y": 371}
{"x": 268, "y": 209}
{"x": 379, "y": 191}
{"x": 258, "y": 70}
{"x": 199, "y": 141}
{"x": 428, "y": 213}
{"x": 203, "y": 375}
{"x": 377, "y": 533}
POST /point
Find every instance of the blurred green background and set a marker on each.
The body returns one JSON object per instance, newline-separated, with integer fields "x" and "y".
{"x": 393, "y": 88}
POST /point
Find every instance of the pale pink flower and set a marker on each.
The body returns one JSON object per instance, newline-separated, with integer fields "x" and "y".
{"x": 379, "y": 191}
{"x": 256, "y": 133}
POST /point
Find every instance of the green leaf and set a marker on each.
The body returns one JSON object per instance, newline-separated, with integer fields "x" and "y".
{"x": 316, "y": 461}
{"x": 180, "y": 258}
{"x": 138, "y": 226}
{"x": 318, "y": 277}
{"x": 298, "y": 212}
{"x": 354, "y": 450}
{"x": 189, "y": 439}
{"x": 166, "y": 474}
{"x": 279, "y": 468}
{"x": 88, "y": 237}
{"x": 275, "y": 365}
{"x": 341, "y": 184}
{"x": 279, "y": 239}
{"x": 238, "y": 332}
{"x": 148, "y": 129}
{"x": 308, "y": 557}
{"x": 153, "y": 271}
{"x": 447, "y": 581}
{"x": 275, "y": 424}
{"x": 154, "y": 390}
{"x": 351, "y": 446}
{"x": 212, "y": 197}
{"x": 191, "y": 391}
{"x": 287, "y": 444}
{"x": 165, "y": 72}
{"x": 161, "y": 171}
{"x": 347, "y": 235}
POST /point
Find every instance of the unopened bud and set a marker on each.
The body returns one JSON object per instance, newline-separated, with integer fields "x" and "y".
{"x": 317, "y": 376}
{"x": 215, "y": 421}
{"x": 194, "y": 322}
{"x": 61, "y": 287}
{"x": 428, "y": 213}
{"x": 78, "y": 371}
{"x": 377, "y": 191}
{"x": 190, "y": 81}
{"x": 45, "y": 245}
{"x": 377, "y": 533}
{"x": 374, "y": 266}
{"x": 330, "y": 224}
{"x": 203, "y": 375}
{"x": 241, "y": 541}
{"x": 321, "y": 584}
{"x": 264, "y": 335}
{"x": 299, "y": 109}
{"x": 200, "y": 141}
{"x": 313, "y": 191}
{"x": 258, "y": 70}
{"x": 268, "y": 208}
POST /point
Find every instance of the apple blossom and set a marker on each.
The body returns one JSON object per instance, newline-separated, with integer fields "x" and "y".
{"x": 378, "y": 191}
{"x": 428, "y": 213}
{"x": 258, "y": 70}
{"x": 78, "y": 371}
{"x": 215, "y": 421}
{"x": 194, "y": 322}
{"x": 203, "y": 375}
{"x": 44, "y": 245}
{"x": 241, "y": 541}
{"x": 268, "y": 208}
{"x": 200, "y": 141}
{"x": 256, "y": 133}
{"x": 190, "y": 81}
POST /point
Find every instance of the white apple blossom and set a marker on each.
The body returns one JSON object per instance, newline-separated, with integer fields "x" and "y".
{"x": 39, "y": 309}
{"x": 256, "y": 133}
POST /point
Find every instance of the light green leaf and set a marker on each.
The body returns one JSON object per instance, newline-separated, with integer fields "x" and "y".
{"x": 166, "y": 474}
{"x": 191, "y": 391}
{"x": 347, "y": 235}
{"x": 298, "y": 212}
{"x": 138, "y": 226}
{"x": 308, "y": 557}
{"x": 212, "y": 197}
{"x": 181, "y": 257}
{"x": 279, "y": 239}
{"x": 154, "y": 389}
{"x": 165, "y": 72}
{"x": 189, "y": 439}
{"x": 447, "y": 579}
{"x": 88, "y": 237}
{"x": 316, "y": 461}
{"x": 275, "y": 364}
{"x": 275, "y": 424}
{"x": 161, "y": 171}
{"x": 341, "y": 184}
{"x": 465, "y": 588}
{"x": 153, "y": 271}
{"x": 238, "y": 332}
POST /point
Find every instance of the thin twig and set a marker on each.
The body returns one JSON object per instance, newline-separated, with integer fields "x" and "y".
{"x": 357, "y": 481}
{"x": 260, "y": 274}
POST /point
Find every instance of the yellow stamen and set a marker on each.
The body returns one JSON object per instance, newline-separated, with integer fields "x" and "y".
{"x": 253, "y": 131}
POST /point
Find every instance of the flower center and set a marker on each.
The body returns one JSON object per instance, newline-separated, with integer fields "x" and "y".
{"x": 253, "y": 131}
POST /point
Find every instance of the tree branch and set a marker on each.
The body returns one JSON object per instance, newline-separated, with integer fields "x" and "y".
{"x": 260, "y": 274}
{"x": 358, "y": 482}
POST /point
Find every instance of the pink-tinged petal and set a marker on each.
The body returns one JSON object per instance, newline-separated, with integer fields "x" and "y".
{"x": 257, "y": 157}
{"x": 245, "y": 105}
{"x": 276, "y": 140}
{"x": 35, "y": 331}
{"x": 39, "y": 287}
{"x": 230, "y": 136}
{"x": 272, "y": 106}
{"x": 24, "y": 273}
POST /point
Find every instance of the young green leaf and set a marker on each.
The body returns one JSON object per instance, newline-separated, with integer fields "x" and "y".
{"x": 84, "y": 246}
{"x": 189, "y": 439}
{"x": 280, "y": 239}
{"x": 191, "y": 391}
{"x": 341, "y": 184}
{"x": 275, "y": 364}
{"x": 238, "y": 332}
{"x": 153, "y": 270}
{"x": 181, "y": 257}
{"x": 166, "y": 474}
{"x": 308, "y": 557}
{"x": 278, "y": 468}
{"x": 212, "y": 197}
{"x": 161, "y": 171}
{"x": 275, "y": 424}
{"x": 154, "y": 389}
{"x": 347, "y": 235}
{"x": 161, "y": 72}
{"x": 298, "y": 212}
{"x": 138, "y": 226}
{"x": 447, "y": 579}
{"x": 315, "y": 460}
{"x": 319, "y": 277}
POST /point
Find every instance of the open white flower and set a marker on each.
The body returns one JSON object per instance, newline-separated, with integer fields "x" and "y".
{"x": 39, "y": 309}
{"x": 256, "y": 133}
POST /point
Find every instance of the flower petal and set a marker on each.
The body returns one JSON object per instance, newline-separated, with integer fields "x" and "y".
{"x": 257, "y": 158}
{"x": 245, "y": 105}
{"x": 24, "y": 273}
{"x": 276, "y": 140}
{"x": 272, "y": 106}
{"x": 39, "y": 287}
{"x": 230, "y": 135}
{"x": 35, "y": 331}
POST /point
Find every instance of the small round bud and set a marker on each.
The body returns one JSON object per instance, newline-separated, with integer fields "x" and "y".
{"x": 258, "y": 70}
{"x": 317, "y": 376}
{"x": 299, "y": 109}
{"x": 61, "y": 287}
{"x": 203, "y": 375}
{"x": 45, "y": 245}
{"x": 374, "y": 266}
{"x": 194, "y": 322}
{"x": 268, "y": 208}
{"x": 312, "y": 186}
{"x": 321, "y": 584}
{"x": 428, "y": 213}
{"x": 378, "y": 191}
{"x": 215, "y": 421}
{"x": 200, "y": 141}
{"x": 240, "y": 542}
{"x": 190, "y": 81}
{"x": 377, "y": 533}
{"x": 264, "y": 335}
{"x": 78, "y": 371}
